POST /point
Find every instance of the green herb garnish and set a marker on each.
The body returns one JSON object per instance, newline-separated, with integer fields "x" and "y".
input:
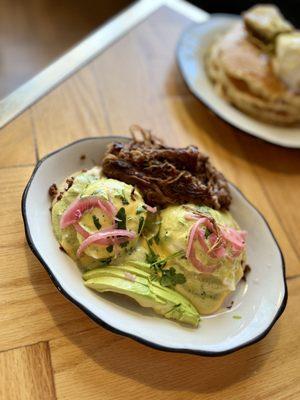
{"x": 110, "y": 248}
{"x": 170, "y": 278}
{"x": 121, "y": 218}
{"x": 140, "y": 209}
{"x": 207, "y": 233}
{"x": 151, "y": 257}
{"x": 121, "y": 195}
{"x": 160, "y": 263}
{"x": 141, "y": 224}
{"x": 166, "y": 277}
{"x": 124, "y": 244}
{"x": 96, "y": 222}
{"x": 237, "y": 317}
{"x": 182, "y": 221}
{"x": 105, "y": 261}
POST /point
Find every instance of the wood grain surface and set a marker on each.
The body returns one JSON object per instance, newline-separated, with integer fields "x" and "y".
{"x": 51, "y": 350}
{"x": 33, "y": 33}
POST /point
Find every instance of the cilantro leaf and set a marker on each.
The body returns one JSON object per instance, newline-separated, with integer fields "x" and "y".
{"x": 151, "y": 257}
{"x": 110, "y": 248}
{"x": 168, "y": 277}
{"x": 122, "y": 196}
{"x": 237, "y": 317}
{"x": 141, "y": 224}
{"x": 140, "y": 209}
{"x": 207, "y": 233}
{"x": 96, "y": 222}
{"x": 105, "y": 261}
{"x": 121, "y": 218}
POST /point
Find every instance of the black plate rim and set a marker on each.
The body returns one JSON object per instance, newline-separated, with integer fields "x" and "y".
{"x": 104, "y": 324}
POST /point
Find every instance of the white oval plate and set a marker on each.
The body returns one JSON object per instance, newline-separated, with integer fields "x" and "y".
{"x": 191, "y": 50}
{"x": 259, "y": 302}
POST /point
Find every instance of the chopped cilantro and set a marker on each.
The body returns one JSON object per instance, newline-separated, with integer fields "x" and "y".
{"x": 207, "y": 233}
{"x": 96, "y": 222}
{"x": 121, "y": 218}
{"x": 141, "y": 224}
{"x": 124, "y": 244}
{"x": 140, "y": 209}
{"x": 151, "y": 257}
{"x": 110, "y": 248}
{"x": 170, "y": 278}
{"x": 166, "y": 277}
{"x": 237, "y": 317}
{"x": 105, "y": 261}
{"x": 121, "y": 195}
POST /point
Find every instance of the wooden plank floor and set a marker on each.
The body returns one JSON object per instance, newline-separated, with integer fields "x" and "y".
{"x": 48, "y": 348}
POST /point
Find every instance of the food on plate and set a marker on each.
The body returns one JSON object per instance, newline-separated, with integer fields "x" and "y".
{"x": 264, "y": 23}
{"x": 97, "y": 218}
{"x": 286, "y": 62}
{"x": 255, "y": 66}
{"x": 180, "y": 255}
{"x": 214, "y": 249}
{"x": 167, "y": 175}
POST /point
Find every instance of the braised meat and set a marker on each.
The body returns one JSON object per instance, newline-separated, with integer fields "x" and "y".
{"x": 167, "y": 175}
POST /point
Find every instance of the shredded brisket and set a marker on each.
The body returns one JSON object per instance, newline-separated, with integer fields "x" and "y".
{"x": 167, "y": 175}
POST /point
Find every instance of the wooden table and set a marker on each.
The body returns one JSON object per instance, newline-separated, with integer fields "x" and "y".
{"x": 52, "y": 350}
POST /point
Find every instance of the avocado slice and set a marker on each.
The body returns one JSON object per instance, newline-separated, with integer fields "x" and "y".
{"x": 136, "y": 284}
{"x": 95, "y": 273}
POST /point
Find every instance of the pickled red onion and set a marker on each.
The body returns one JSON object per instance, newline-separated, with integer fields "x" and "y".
{"x": 201, "y": 239}
{"x": 81, "y": 230}
{"x": 217, "y": 238}
{"x": 85, "y": 233}
{"x": 192, "y": 236}
{"x": 199, "y": 265}
{"x": 151, "y": 209}
{"x": 76, "y": 209}
{"x": 109, "y": 237}
{"x": 236, "y": 238}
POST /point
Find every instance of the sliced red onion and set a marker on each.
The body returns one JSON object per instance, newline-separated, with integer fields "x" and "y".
{"x": 199, "y": 265}
{"x": 75, "y": 211}
{"x": 192, "y": 234}
{"x": 151, "y": 209}
{"x": 106, "y": 238}
{"x": 81, "y": 230}
{"x": 217, "y": 240}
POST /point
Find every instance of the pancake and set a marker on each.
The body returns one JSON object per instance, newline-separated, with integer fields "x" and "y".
{"x": 243, "y": 74}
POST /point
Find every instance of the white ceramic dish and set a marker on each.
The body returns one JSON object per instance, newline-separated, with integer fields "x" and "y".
{"x": 191, "y": 51}
{"x": 259, "y": 302}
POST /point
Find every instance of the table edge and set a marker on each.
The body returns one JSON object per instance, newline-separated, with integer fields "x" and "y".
{"x": 35, "y": 88}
